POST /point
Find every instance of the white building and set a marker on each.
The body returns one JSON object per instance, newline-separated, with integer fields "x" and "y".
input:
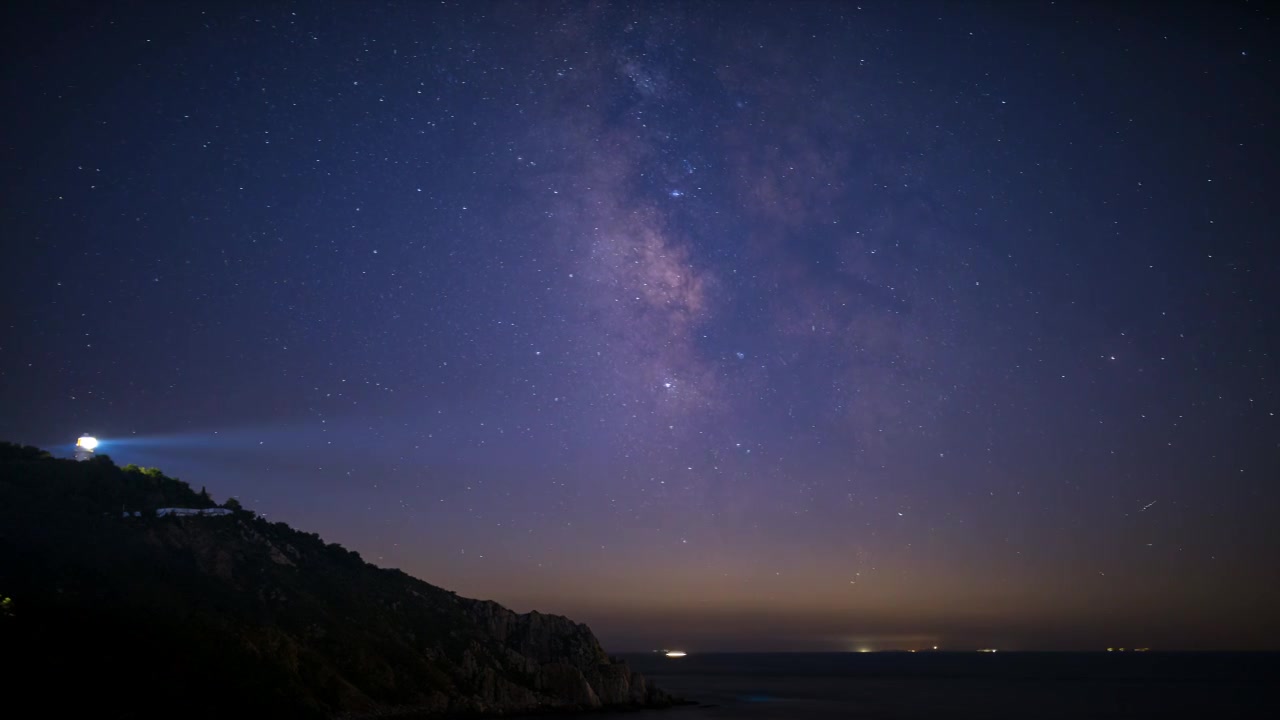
{"x": 182, "y": 512}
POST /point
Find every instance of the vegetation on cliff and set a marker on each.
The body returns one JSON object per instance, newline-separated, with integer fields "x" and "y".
{"x": 232, "y": 615}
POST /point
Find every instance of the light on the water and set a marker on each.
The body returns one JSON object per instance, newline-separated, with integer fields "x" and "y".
{"x": 675, "y": 653}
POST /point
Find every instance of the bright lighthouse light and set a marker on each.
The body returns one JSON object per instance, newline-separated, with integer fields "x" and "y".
{"x": 88, "y": 443}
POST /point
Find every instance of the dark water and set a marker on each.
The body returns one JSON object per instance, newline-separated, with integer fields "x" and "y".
{"x": 967, "y": 685}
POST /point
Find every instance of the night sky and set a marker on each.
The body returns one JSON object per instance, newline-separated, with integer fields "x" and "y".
{"x": 715, "y": 326}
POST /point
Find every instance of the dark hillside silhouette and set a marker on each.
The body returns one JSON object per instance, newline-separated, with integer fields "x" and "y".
{"x": 217, "y": 616}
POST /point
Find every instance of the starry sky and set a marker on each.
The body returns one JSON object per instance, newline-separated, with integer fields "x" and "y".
{"x": 739, "y": 326}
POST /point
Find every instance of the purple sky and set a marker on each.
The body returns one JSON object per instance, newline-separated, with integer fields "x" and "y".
{"x": 720, "y": 326}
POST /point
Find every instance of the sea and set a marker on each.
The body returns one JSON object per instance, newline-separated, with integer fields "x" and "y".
{"x": 942, "y": 685}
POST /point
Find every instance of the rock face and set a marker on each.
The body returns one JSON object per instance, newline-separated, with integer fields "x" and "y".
{"x": 564, "y": 658}
{"x": 251, "y": 617}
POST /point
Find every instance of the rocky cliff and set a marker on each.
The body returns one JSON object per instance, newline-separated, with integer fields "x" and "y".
{"x": 231, "y": 615}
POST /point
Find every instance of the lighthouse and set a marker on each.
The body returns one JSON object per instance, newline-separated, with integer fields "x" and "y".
{"x": 85, "y": 446}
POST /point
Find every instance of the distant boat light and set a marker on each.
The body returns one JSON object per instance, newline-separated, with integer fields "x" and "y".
{"x": 88, "y": 443}
{"x": 676, "y": 653}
